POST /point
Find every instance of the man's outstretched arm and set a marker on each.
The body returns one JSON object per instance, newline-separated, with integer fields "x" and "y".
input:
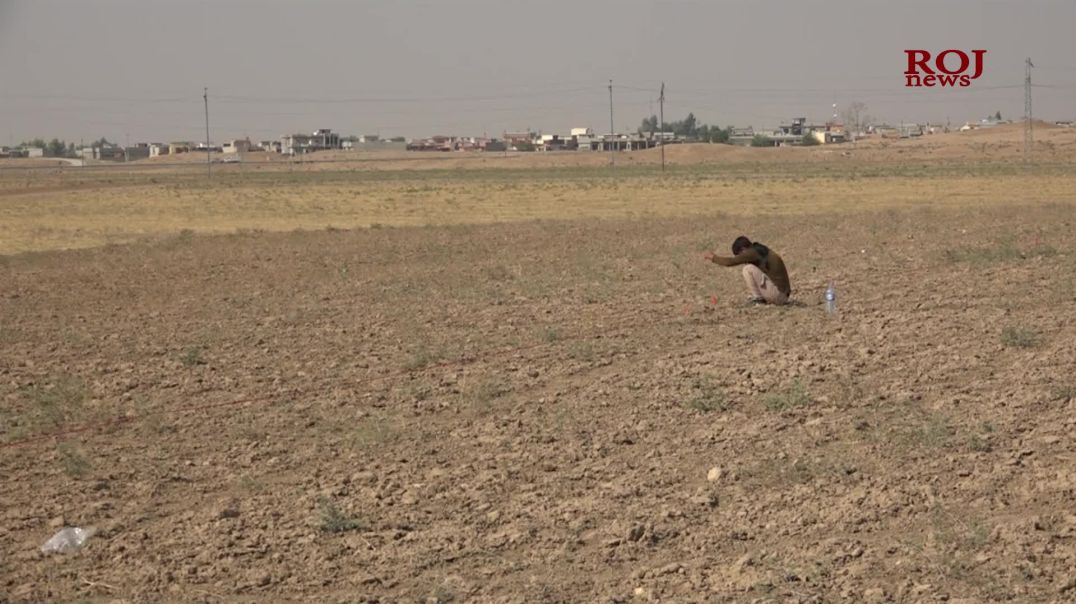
{"x": 748, "y": 256}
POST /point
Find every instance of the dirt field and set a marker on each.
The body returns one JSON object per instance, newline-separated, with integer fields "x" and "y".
{"x": 539, "y": 391}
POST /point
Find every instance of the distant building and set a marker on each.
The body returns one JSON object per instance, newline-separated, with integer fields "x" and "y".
{"x": 519, "y": 140}
{"x": 799, "y": 130}
{"x": 33, "y": 152}
{"x": 158, "y": 149}
{"x": 587, "y": 142}
{"x": 106, "y": 152}
{"x": 139, "y": 151}
{"x": 614, "y": 142}
{"x": 290, "y": 144}
{"x": 910, "y": 130}
{"x": 832, "y": 132}
{"x": 320, "y": 140}
{"x": 827, "y": 137}
{"x": 556, "y": 142}
{"x": 236, "y": 146}
{"x": 177, "y": 148}
{"x": 325, "y": 138}
{"x": 432, "y": 143}
{"x": 741, "y": 136}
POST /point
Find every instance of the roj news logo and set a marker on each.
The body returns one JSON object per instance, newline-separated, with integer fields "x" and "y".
{"x": 947, "y": 68}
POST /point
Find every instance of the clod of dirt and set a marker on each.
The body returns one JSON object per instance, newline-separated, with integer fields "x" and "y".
{"x": 874, "y": 594}
{"x": 669, "y": 569}
{"x": 705, "y": 497}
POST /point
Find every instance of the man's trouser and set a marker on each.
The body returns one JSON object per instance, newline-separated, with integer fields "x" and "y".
{"x": 761, "y": 286}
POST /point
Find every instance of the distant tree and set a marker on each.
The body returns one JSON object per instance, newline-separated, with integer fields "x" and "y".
{"x": 997, "y": 116}
{"x": 398, "y": 139}
{"x": 55, "y": 148}
{"x": 71, "y": 150}
{"x": 37, "y": 143}
{"x": 689, "y": 127}
{"x": 713, "y": 134}
{"x": 809, "y": 140}
{"x": 856, "y": 118}
{"x": 101, "y": 142}
{"x": 650, "y": 124}
{"x": 761, "y": 141}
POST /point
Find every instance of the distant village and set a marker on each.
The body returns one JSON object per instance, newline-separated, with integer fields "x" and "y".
{"x": 797, "y": 132}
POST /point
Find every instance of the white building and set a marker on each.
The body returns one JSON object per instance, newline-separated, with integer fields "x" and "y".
{"x": 236, "y": 146}
{"x": 321, "y": 139}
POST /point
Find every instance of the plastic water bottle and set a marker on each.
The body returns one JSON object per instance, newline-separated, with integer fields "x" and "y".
{"x": 68, "y": 539}
{"x": 831, "y": 300}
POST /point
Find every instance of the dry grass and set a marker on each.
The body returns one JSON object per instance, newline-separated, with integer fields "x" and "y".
{"x": 101, "y": 210}
{"x": 708, "y": 396}
{"x": 1019, "y": 337}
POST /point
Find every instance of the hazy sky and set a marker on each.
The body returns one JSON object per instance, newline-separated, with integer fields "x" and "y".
{"x": 82, "y": 69}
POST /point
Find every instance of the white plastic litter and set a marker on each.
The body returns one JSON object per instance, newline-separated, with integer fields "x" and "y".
{"x": 68, "y": 539}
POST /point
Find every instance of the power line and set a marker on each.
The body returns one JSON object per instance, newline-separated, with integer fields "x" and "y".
{"x": 523, "y": 93}
{"x": 404, "y": 99}
{"x": 97, "y": 99}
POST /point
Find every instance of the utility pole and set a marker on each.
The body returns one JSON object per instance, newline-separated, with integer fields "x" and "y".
{"x": 1029, "y": 138}
{"x": 833, "y": 123}
{"x": 661, "y": 126}
{"x": 612, "y": 131}
{"x": 208, "y": 162}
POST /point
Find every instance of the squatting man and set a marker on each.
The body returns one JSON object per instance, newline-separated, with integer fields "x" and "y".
{"x": 763, "y": 270}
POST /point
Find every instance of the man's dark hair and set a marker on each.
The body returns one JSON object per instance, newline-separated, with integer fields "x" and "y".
{"x": 740, "y": 244}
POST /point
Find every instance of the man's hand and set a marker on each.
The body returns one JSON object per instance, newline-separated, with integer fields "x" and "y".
{"x": 709, "y": 256}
